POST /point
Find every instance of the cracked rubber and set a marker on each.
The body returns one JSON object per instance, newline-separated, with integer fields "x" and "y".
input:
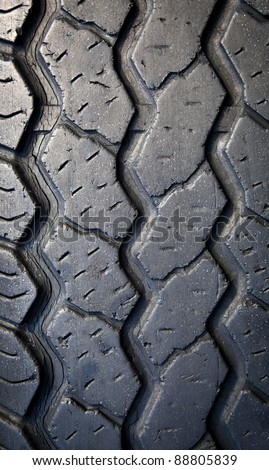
{"x": 134, "y": 285}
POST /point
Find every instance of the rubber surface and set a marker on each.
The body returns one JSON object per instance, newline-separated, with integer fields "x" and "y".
{"x": 134, "y": 284}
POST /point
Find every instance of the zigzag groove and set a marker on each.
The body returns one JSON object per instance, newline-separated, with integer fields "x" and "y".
{"x": 145, "y": 113}
{"x": 30, "y": 330}
{"x": 148, "y": 288}
{"x": 56, "y": 207}
{"x": 236, "y": 293}
{"x": 44, "y": 97}
{"x": 218, "y": 161}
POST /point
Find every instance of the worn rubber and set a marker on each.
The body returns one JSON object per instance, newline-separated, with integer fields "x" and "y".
{"x": 134, "y": 286}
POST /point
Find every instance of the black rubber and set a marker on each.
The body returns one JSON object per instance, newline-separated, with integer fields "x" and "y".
{"x": 134, "y": 285}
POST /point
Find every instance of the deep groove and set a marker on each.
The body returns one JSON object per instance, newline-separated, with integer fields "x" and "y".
{"x": 46, "y": 94}
{"x": 29, "y": 332}
{"x": 128, "y": 180}
{"x": 58, "y": 391}
{"x": 218, "y": 161}
{"x": 133, "y": 268}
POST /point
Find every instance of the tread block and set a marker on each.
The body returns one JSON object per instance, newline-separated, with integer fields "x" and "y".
{"x": 195, "y": 206}
{"x": 178, "y": 420}
{"x": 179, "y": 315}
{"x": 12, "y": 15}
{"x": 250, "y": 58}
{"x": 17, "y": 208}
{"x": 92, "y": 93}
{"x": 159, "y": 50}
{"x": 17, "y": 291}
{"x": 16, "y": 104}
{"x": 85, "y": 174}
{"x": 73, "y": 427}
{"x": 250, "y": 429}
{"x": 107, "y": 14}
{"x": 99, "y": 371}
{"x": 249, "y": 327}
{"x": 248, "y": 152}
{"x": 89, "y": 268}
{"x": 174, "y": 145}
{"x": 249, "y": 244}
{"x": 11, "y": 437}
{"x": 19, "y": 374}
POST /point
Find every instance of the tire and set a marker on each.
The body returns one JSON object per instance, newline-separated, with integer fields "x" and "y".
{"x": 134, "y": 224}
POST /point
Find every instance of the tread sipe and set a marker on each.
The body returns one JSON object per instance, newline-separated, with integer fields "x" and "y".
{"x": 134, "y": 215}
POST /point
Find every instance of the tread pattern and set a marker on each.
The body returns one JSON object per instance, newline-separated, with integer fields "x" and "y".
{"x": 248, "y": 57}
{"x": 12, "y": 16}
{"x": 17, "y": 208}
{"x": 19, "y": 377}
{"x": 184, "y": 243}
{"x": 195, "y": 375}
{"x": 106, "y": 288}
{"x": 12, "y": 437}
{"x": 92, "y": 107}
{"x": 248, "y": 160}
{"x": 100, "y": 13}
{"x": 99, "y": 354}
{"x": 159, "y": 51}
{"x": 94, "y": 428}
{"x": 256, "y": 418}
{"x": 204, "y": 281}
{"x": 23, "y": 283}
{"x": 178, "y": 131}
{"x": 156, "y": 423}
{"x": 88, "y": 307}
{"x": 83, "y": 256}
{"x": 85, "y": 197}
{"x": 241, "y": 245}
{"x": 249, "y": 328}
{"x": 252, "y": 253}
{"x": 17, "y": 290}
{"x": 17, "y": 110}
